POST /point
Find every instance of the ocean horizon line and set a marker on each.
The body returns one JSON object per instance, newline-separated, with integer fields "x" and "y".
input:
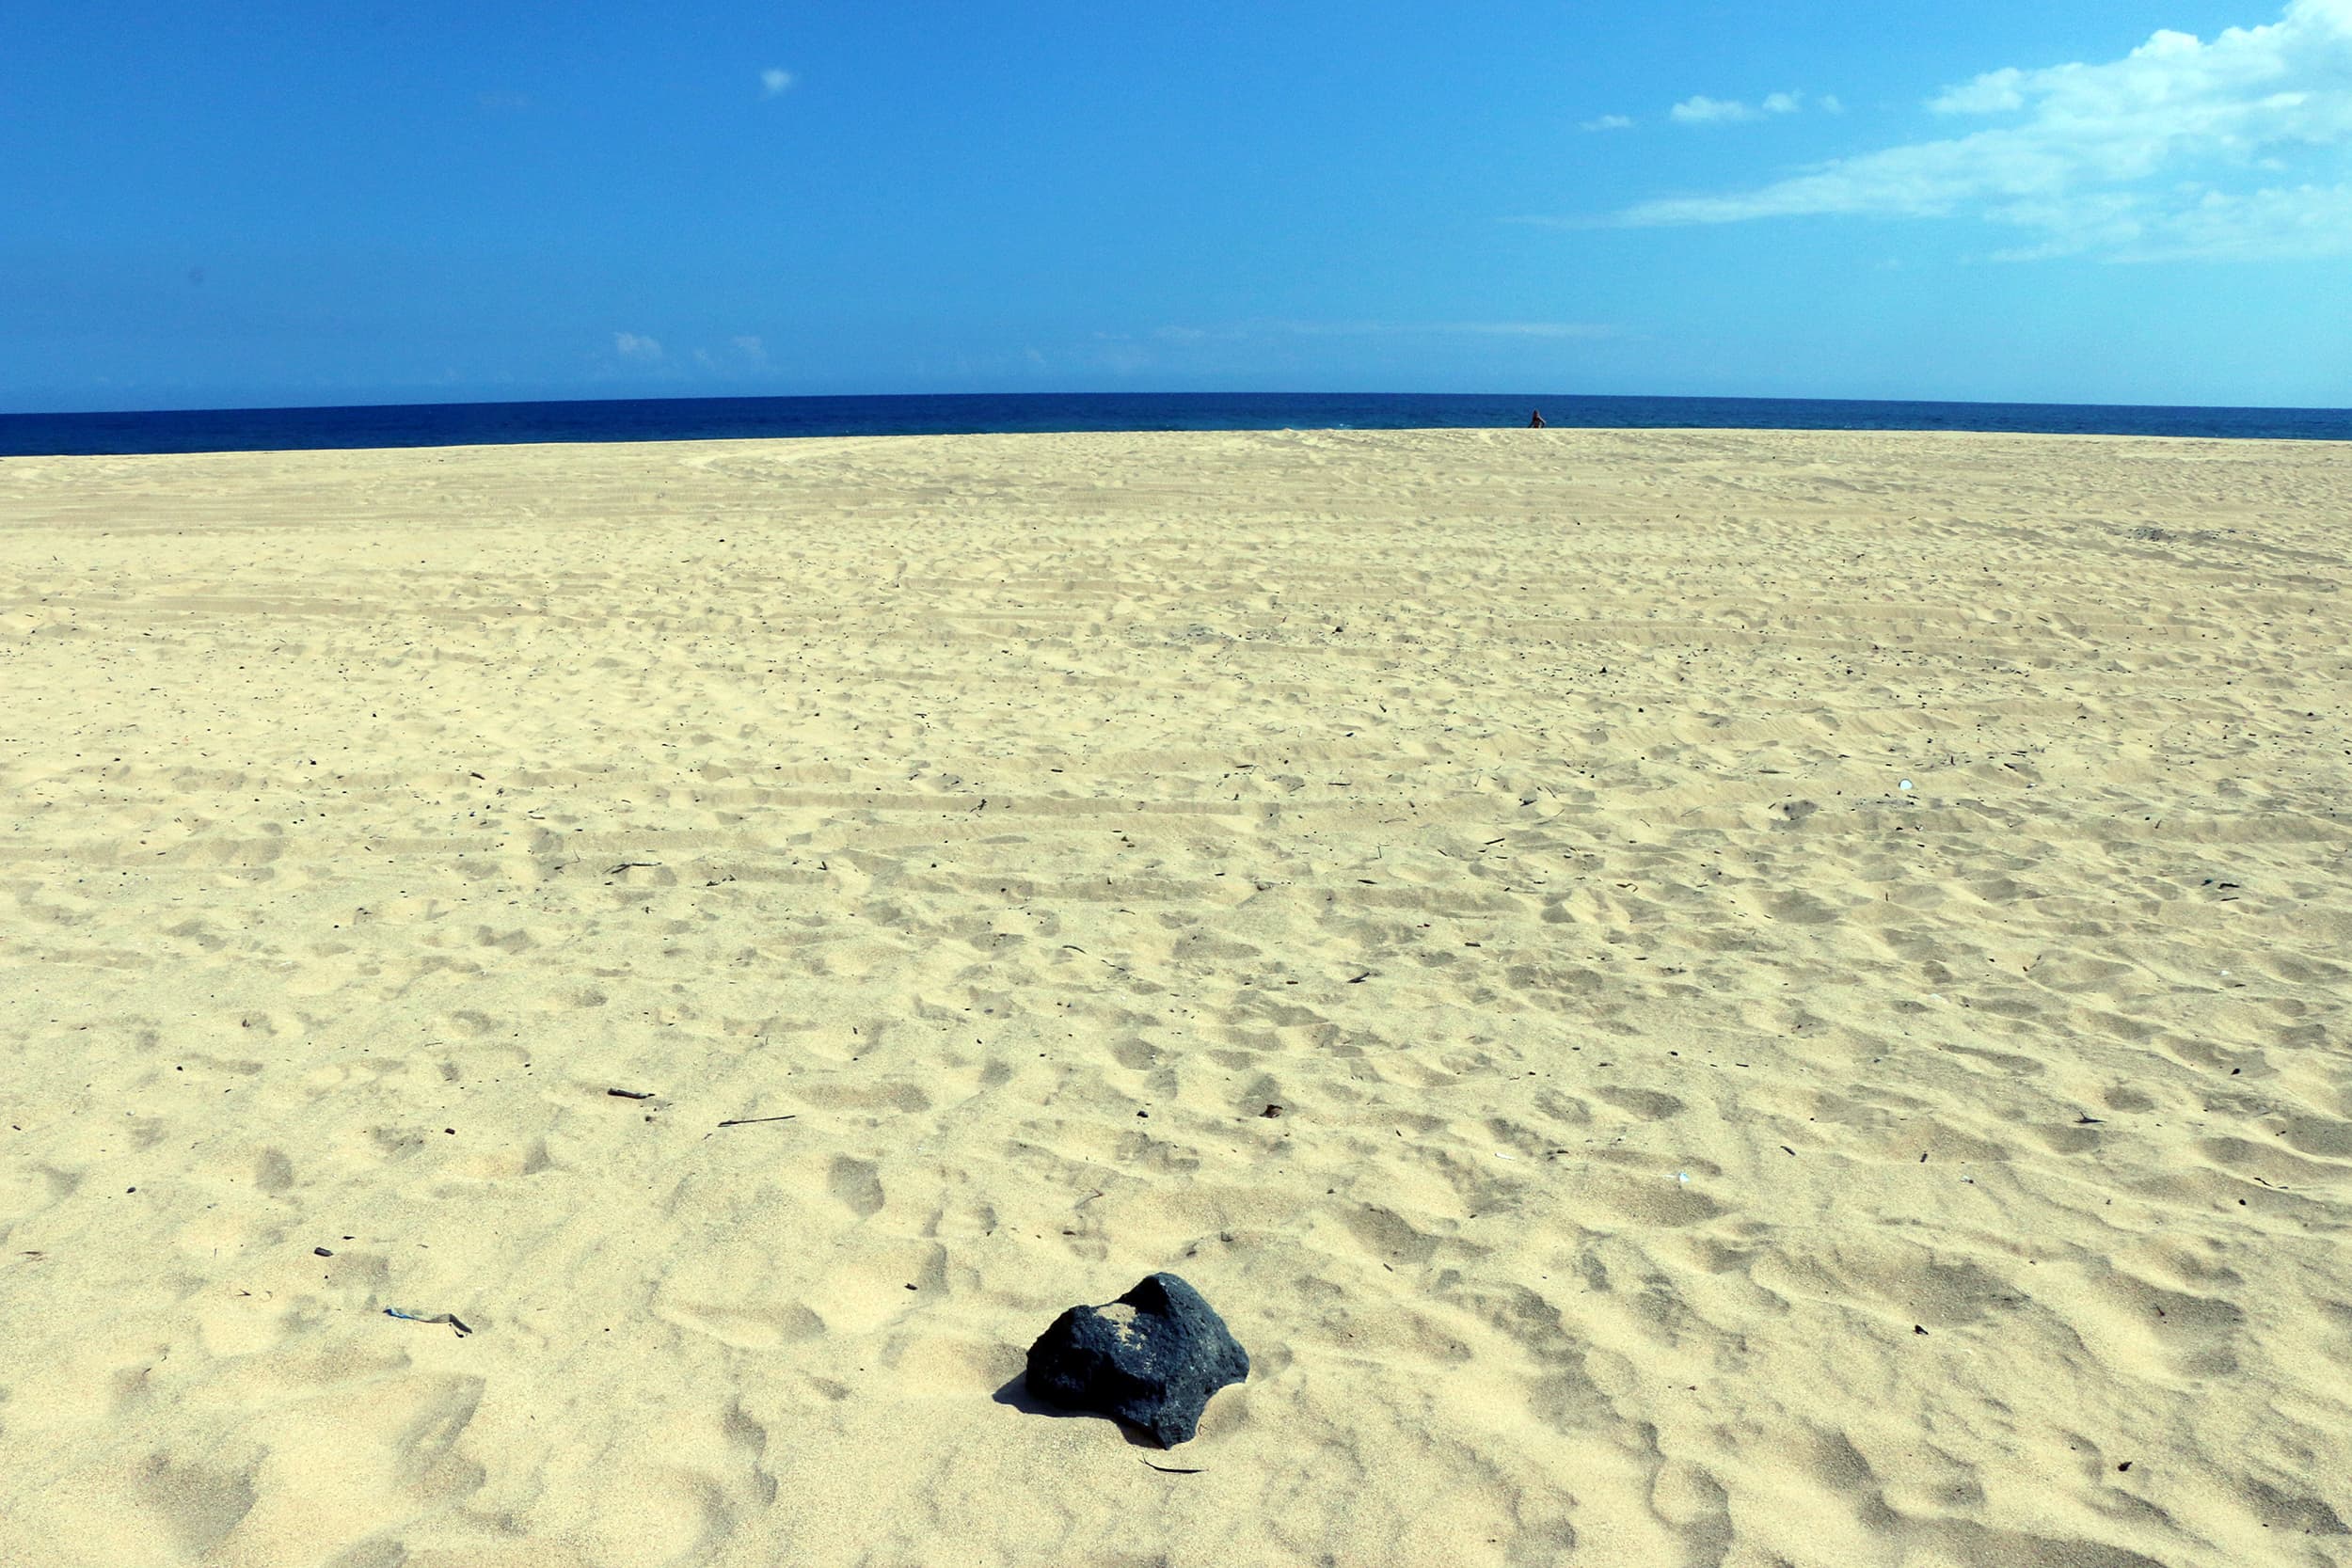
{"x": 531, "y": 421}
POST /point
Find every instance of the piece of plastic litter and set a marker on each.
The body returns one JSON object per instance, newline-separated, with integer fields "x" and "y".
{"x": 449, "y": 1318}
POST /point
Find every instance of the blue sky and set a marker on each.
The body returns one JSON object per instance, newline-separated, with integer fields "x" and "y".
{"x": 329, "y": 202}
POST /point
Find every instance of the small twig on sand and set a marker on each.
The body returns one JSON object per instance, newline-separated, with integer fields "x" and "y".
{"x": 747, "y": 1122}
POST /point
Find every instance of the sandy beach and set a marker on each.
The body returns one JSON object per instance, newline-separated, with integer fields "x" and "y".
{"x": 1694, "y": 998}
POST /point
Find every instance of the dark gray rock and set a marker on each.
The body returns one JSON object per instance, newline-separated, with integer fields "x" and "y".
{"x": 1152, "y": 1358}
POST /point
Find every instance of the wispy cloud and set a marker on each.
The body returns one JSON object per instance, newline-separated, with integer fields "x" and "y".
{"x": 775, "y": 81}
{"x": 1703, "y": 110}
{"x": 1463, "y": 329}
{"x": 1607, "y": 123}
{"x": 635, "y": 346}
{"x": 739, "y": 356}
{"x": 1187, "y": 335}
{"x": 2232, "y": 149}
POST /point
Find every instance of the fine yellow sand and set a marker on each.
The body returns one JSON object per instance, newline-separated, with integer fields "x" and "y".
{"x": 1804, "y": 977}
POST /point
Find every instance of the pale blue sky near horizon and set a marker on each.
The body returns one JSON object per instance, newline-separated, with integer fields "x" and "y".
{"x": 281, "y": 203}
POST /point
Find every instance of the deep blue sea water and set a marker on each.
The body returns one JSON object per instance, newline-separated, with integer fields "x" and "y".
{"x": 442, "y": 424}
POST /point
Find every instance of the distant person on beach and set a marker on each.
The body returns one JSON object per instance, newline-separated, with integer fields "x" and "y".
{"x": 1535, "y": 421}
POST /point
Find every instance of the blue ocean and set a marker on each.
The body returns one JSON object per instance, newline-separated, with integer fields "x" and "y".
{"x": 444, "y": 424}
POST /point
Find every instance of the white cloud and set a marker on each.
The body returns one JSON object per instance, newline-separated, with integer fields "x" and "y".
{"x": 1607, "y": 123}
{"x": 1187, "y": 335}
{"x": 637, "y": 346}
{"x": 1441, "y": 329}
{"x": 1515, "y": 329}
{"x": 1703, "y": 110}
{"x": 774, "y": 82}
{"x": 739, "y": 355}
{"x": 2161, "y": 154}
{"x": 1992, "y": 93}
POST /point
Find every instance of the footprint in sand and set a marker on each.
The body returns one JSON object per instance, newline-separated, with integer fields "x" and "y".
{"x": 196, "y": 1504}
{"x": 855, "y": 1185}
